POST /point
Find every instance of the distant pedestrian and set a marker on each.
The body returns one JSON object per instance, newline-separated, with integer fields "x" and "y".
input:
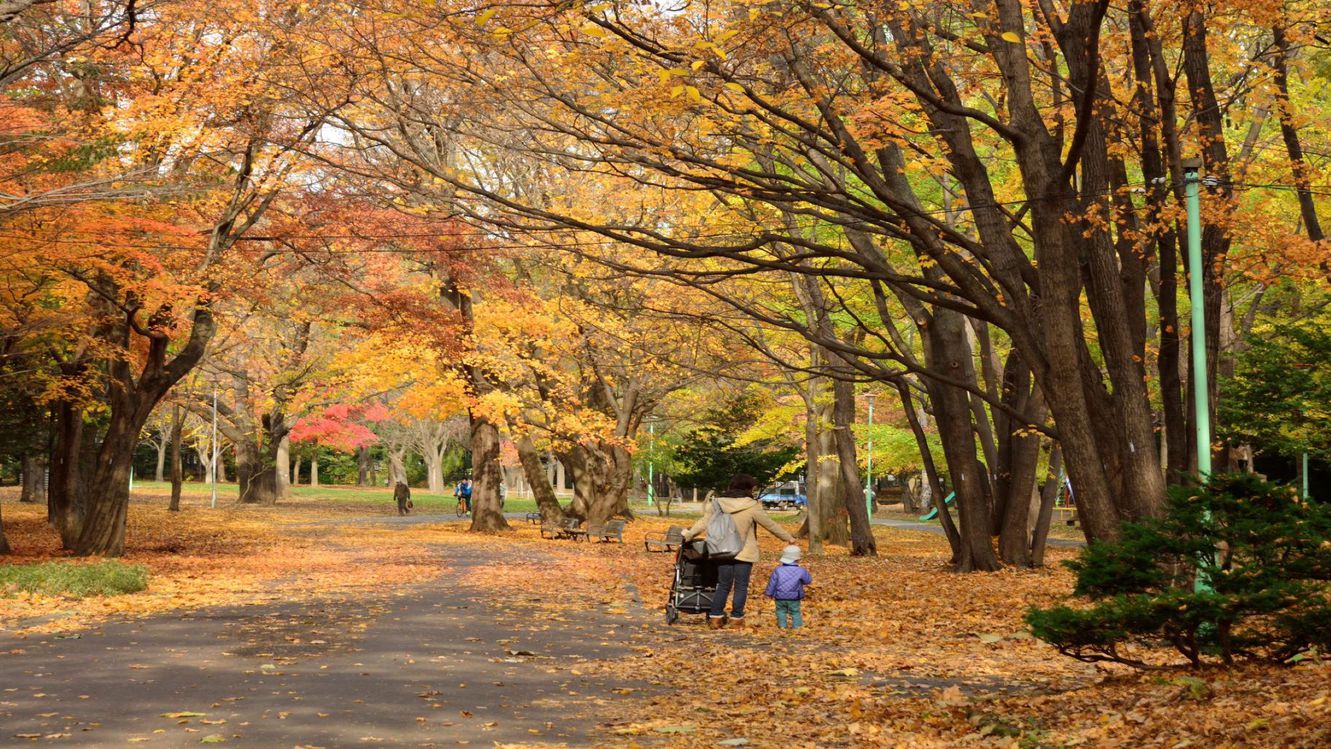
{"x": 786, "y": 587}
{"x": 402, "y": 493}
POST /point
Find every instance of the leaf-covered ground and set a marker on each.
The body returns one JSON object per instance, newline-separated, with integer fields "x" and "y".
{"x": 896, "y": 652}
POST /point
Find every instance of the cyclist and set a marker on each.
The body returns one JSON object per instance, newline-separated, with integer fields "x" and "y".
{"x": 463, "y": 494}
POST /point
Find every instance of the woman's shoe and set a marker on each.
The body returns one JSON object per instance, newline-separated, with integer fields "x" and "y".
{"x": 716, "y": 622}
{"x": 737, "y": 624}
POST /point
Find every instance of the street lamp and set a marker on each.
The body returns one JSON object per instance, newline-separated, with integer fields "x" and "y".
{"x": 1200, "y": 387}
{"x": 213, "y": 503}
{"x": 868, "y": 473}
{"x": 651, "y": 462}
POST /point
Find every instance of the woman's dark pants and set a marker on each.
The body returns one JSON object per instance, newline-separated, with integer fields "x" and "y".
{"x": 731, "y": 575}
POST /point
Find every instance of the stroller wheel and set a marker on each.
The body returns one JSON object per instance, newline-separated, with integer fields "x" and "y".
{"x": 671, "y": 614}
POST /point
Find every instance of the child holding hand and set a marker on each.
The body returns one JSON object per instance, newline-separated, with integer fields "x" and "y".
{"x": 786, "y": 586}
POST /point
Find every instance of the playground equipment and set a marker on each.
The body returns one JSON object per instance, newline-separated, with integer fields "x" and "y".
{"x": 933, "y": 511}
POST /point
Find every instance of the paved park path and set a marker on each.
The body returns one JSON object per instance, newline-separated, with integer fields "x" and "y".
{"x": 436, "y": 666}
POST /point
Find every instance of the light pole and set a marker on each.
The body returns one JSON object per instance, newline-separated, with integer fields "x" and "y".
{"x": 868, "y": 473}
{"x": 214, "y": 441}
{"x": 1200, "y": 387}
{"x": 651, "y": 462}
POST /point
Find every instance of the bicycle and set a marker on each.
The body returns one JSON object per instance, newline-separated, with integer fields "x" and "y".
{"x": 462, "y": 508}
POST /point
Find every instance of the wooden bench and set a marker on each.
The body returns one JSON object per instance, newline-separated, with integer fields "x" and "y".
{"x": 610, "y": 531}
{"x": 671, "y": 540}
{"x": 566, "y": 528}
{"x": 533, "y": 517}
{"x": 1066, "y": 515}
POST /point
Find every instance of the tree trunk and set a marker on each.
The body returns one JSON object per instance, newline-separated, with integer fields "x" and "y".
{"x": 833, "y": 524}
{"x": 856, "y": 506}
{"x": 949, "y": 352}
{"x": 486, "y": 513}
{"x": 609, "y": 470}
{"x": 177, "y": 470}
{"x": 813, "y": 521}
{"x": 103, "y": 523}
{"x": 314, "y": 469}
{"x": 256, "y": 473}
{"x": 363, "y": 466}
{"x": 434, "y": 469}
{"x": 1020, "y": 455}
{"x": 546, "y": 501}
{"x": 575, "y": 466}
{"x": 295, "y": 470}
{"x": 163, "y": 445}
{"x": 64, "y": 507}
{"x": 34, "y": 479}
{"x": 931, "y": 480}
{"x": 282, "y": 467}
{"x": 1048, "y": 496}
{"x": 397, "y": 466}
{"x": 4, "y": 542}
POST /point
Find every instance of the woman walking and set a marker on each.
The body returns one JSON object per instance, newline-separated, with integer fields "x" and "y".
{"x": 733, "y": 574}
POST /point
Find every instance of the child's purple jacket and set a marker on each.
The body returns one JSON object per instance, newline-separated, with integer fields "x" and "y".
{"x": 787, "y": 583}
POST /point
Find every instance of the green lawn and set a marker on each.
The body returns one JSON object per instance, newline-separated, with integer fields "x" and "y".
{"x": 74, "y": 579}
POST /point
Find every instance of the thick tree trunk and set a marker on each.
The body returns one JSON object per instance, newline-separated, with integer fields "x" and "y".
{"x": 256, "y": 474}
{"x": 574, "y": 463}
{"x": 486, "y": 513}
{"x": 949, "y": 352}
{"x": 34, "y": 479}
{"x": 314, "y": 469}
{"x": 177, "y": 470}
{"x": 1020, "y": 451}
{"x": 609, "y": 471}
{"x": 295, "y": 470}
{"x": 103, "y": 527}
{"x": 64, "y": 508}
{"x": 434, "y": 470}
{"x": 544, "y": 493}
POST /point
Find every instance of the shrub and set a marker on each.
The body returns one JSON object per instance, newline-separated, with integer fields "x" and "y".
{"x": 74, "y": 579}
{"x": 1263, "y": 552}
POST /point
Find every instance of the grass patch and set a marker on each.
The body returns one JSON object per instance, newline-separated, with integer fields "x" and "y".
{"x": 73, "y": 579}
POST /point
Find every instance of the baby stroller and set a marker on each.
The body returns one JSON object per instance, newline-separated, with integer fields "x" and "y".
{"x": 694, "y": 584}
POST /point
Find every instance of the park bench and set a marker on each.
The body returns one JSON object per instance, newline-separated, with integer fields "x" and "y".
{"x": 533, "y": 517}
{"x": 566, "y": 528}
{"x": 611, "y": 531}
{"x": 671, "y": 540}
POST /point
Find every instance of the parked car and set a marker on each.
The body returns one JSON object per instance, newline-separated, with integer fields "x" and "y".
{"x": 783, "y": 496}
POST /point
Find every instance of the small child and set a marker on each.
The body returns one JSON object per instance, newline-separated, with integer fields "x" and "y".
{"x": 786, "y": 586}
